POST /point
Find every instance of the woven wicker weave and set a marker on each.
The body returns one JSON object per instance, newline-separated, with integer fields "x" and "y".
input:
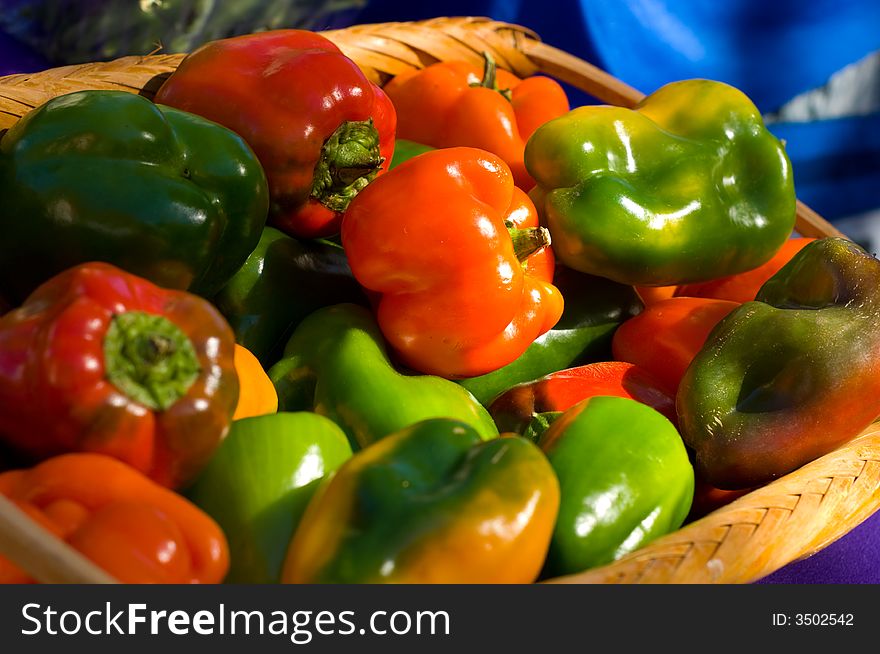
{"x": 760, "y": 532}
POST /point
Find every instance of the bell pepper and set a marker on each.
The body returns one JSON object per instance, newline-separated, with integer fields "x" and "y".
{"x": 454, "y": 103}
{"x": 688, "y": 186}
{"x": 745, "y": 286}
{"x": 471, "y": 512}
{"x": 791, "y": 376}
{"x": 320, "y": 128}
{"x": 653, "y": 294}
{"x": 529, "y": 408}
{"x": 405, "y": 150}
{"x": 336, "y": 364}
{"x": 100, "y": 360}
{"x": 624, "y": 480}
{"x": 667, "y": 335}
{"x": 259, "y": 482}
{"x": 282, "y": 282}
{"x": 256, "y": 395}
{"x": 110, "y": 176}
{"x": 440, "y": 240}
{"x": 136, "y": 530}
{"x": 594, "y": 308}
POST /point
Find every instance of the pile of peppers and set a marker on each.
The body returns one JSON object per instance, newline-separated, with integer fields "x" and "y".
{"x": 441, "y": 330}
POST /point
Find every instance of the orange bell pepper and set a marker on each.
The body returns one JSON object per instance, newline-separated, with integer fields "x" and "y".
{"x": 256, "y": 393}
{"x": 653, "y": 294}
{"x": 440, "y": 239}
{"x": 452, "y": 103}
{"x": 667, "y": 335}
{"x": 133, "y": 528}
{"x": 745, "y": 286}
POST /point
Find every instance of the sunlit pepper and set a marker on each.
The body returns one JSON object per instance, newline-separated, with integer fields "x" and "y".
{"x": 136, "y": 530}
{"x": 791, "y": 376}
{"x": 624, "y": 479}
{"x": 454, "y": 103}
{"x": 100, "y": 360}
{"x": 470, "y": 512}
{"x": 321, "y": 129}
{"x": 454, "y": 252}
{"x": 688, "y": 186}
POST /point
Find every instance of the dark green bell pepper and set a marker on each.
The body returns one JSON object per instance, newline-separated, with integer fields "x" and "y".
{"x": 336, "y": 363}
{"x": 430, "y": 504}
{"x": 110, "y": 176}
{"x": 282, "y": 282}
{"x": 791, "y": 376}
{"x": 259, "y": 482}
{"x": 624, "y": 478}
{"x": 688, "y": 186}
{"x": 594, "y": 308}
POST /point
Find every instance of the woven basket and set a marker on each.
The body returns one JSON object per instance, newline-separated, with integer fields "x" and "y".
{"x": 747, "y": 539}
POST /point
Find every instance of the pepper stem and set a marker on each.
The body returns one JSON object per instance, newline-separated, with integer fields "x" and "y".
{"x": 350, "y": 159}
{"x": 150, "y": 359}
{"x": 489, "y": 73}
{"x": 540, "y": 423}
{"x": 528, "y": 241}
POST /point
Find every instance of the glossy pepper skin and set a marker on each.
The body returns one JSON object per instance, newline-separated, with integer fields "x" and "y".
{"x": 456, "y": 103}
{"x": 430, "y": 239}
{"x": 472, "y": 512}
{"x": 320, "y": 128}
{"x": 103, "y": 361}
{"x": 624, "y": 479}
{"x": 336, "y": 364}
{"x": 256, "y": 394}
{"x": 136, "y": 530}
{"x": 110, "y": 176}
{"x": 594, "y": 308}
{"x": 688, "y": 186}
{"x": 282, "y": 282}
{"x": 259, "y": 482}
{"x": 745, "y": 286}
{"x": 788, "y": 377}
{"x": 529, "y": 408}
{"x": 667, "y": 335}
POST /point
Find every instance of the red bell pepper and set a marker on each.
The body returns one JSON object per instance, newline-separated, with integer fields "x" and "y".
{"x": 100, "y": 360}
{"x": 667, "y": 335}
{"x": 320, "y": 128}
{"x": 440, "y": 240}
{"x": 523, "y": 408}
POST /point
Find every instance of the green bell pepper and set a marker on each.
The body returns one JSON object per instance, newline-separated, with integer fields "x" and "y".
{"x": 259, "y": 482}
{"x": 282, "y": 282}
{"x": 405, "y": 150}
{"x": 624, "y": 478}
{"x": 594, "y": 308}
{"x": 430, "y": 504}
{"x": 336, "y": 363}
{"x": 110, "y": 176}
{"x": 791, "y": 376}
{"x": 689, "y": 186}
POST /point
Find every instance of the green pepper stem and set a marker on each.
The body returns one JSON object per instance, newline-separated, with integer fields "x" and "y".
{"x": 489, "y": 80}
{"x": 150, "y": 359}
{"x": 350, "y": 159}
{"x": 528, "y": 241}
{"x": 540, "y": 423}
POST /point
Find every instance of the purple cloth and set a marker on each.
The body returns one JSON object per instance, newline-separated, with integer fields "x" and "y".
{"x": 17, "y": 58}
